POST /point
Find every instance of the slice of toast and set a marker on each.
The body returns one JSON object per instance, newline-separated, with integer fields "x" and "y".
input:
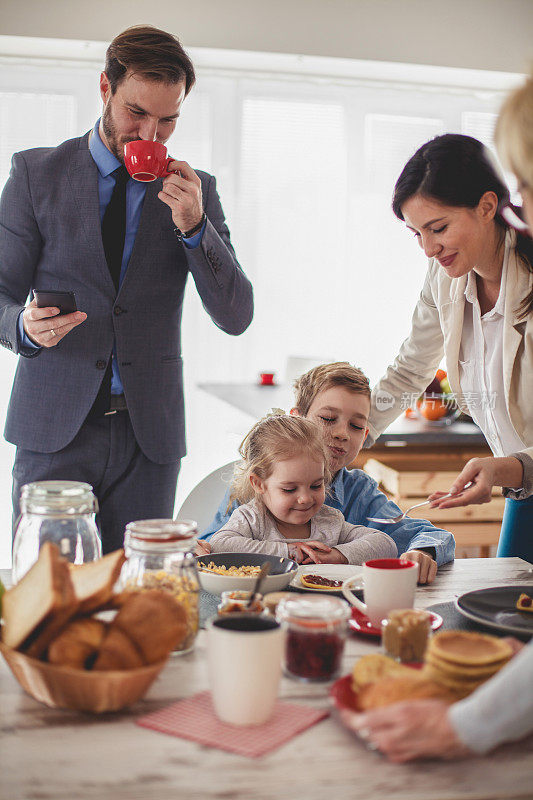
{"x": 86, "y": 588}
{"x": 93, "y": 582}
{"x": 44, "y": 591}
{"x": 37, "y": 643}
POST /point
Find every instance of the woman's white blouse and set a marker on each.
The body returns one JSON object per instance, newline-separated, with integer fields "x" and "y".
{"x": 481, "y": 368}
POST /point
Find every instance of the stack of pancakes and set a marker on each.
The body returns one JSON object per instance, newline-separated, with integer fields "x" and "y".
{"x": 461, "y": 661}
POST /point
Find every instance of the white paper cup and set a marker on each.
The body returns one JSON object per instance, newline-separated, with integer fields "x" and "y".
{"x": 387, "y": 583}
{"x": 244, "y": 662}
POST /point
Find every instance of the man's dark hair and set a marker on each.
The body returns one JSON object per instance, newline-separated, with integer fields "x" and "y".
{"x": 150, "y": 53}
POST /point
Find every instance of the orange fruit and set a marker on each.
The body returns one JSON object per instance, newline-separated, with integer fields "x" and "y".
{"x": 441, "y": 374}
{"x": 432, "y": 409}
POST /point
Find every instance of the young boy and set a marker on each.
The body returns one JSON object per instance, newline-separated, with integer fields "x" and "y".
{"x": 337, "y": 397}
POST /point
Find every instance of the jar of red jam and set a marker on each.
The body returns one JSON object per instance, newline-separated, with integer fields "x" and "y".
{"x": 316, "y": 629}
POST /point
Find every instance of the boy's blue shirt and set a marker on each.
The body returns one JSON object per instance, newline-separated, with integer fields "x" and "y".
{"x": 357, "y": 495}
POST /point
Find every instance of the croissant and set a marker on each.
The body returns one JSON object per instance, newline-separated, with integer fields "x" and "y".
{"x": 117, "y": 652}
{"x": 154, "y": 621}
{"x": 78, "y": 643}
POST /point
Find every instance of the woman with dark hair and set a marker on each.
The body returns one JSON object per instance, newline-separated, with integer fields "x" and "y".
{"x": 475, "y": 309}
{"x": 501, "y": 709}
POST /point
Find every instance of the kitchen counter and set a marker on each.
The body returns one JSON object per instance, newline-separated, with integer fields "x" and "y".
{"x": 256, "y": 401}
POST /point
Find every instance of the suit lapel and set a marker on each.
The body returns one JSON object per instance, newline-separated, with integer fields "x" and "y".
{"x": 83, "y": 179}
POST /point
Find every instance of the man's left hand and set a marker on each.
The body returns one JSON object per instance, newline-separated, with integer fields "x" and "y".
{"x": 427, "y": 568}
{"x": 182, "y": 192}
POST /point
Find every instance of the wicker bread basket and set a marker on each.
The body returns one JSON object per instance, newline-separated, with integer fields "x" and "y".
{"x": 77, "y": 689}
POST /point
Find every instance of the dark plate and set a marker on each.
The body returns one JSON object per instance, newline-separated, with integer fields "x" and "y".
{"x": 496, "y": 608}
{"x": 278, "y": 566}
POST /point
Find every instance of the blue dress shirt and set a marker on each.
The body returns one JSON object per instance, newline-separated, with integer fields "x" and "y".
{"x": 358, "y": 497}
{"x": 135, "y": 192}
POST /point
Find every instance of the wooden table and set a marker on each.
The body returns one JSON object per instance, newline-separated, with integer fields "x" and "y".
{"x": 48, "y": 754}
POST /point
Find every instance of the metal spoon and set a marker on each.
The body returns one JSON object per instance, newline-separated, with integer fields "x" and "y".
{"x": 265, "y": 569}
{"x": 394, "y": 520}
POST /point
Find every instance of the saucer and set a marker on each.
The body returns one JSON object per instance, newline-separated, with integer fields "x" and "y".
{"x": 359, "y": 623}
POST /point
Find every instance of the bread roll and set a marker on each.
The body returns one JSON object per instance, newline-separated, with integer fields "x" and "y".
{"x": 77, "y": 643}
{"x": 117, "y": 652}
{"x": 387, "y": 691}
{"x": 154, "y": 621}
{"x": 373, "y": 667}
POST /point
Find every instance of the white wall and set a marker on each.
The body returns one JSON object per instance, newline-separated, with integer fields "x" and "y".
{"x": 476, "y": 34}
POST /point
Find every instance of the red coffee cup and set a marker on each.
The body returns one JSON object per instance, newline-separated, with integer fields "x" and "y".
{"x": 266, "y": 378}
{"x": 146, "y": 160}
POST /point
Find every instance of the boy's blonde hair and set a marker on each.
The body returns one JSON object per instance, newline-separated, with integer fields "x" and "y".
{"x": 275, "y": 438}
{"x": 514, "y": 132}
{"x": 318, "y": 379}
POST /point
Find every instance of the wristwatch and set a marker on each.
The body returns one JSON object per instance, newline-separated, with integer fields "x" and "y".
{"x": 180, "y": 235}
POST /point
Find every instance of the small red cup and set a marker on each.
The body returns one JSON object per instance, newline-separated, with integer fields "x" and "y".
{"x": 266, "y": 378}
{"x": 146, "y": 160}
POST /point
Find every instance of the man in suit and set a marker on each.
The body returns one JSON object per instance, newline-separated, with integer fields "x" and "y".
{"x": 98, "y": 394}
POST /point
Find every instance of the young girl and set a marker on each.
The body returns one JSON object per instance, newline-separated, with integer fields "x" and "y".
{"x": 281, "y": 484}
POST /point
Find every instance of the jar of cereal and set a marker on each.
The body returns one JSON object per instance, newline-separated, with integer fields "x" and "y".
{"x": 159, "y": 555}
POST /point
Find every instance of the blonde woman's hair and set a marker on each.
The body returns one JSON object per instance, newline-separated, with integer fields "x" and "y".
{"x": 275, "y": 438}
{"x": 514, "y": 132}
{"x": 318, "y": 379}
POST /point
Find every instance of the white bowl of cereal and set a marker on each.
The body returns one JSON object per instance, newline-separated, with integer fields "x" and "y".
{"x": 221, "y": 572}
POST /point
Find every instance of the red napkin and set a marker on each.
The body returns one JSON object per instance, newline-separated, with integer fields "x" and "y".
{"x": 195, "y": 719}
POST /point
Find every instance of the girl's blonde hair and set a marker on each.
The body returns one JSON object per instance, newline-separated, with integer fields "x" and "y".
{"x": 514, "y": 132}
{"x": 275, "y": 438}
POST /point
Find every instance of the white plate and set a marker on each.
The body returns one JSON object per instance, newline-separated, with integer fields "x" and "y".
{"x": 336, "y": 572}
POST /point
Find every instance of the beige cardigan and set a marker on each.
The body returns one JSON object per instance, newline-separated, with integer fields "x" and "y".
{"x": 436, "y": 331}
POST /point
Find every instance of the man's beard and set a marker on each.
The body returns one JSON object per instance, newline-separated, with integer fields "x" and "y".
{"x": 111, "y": 135}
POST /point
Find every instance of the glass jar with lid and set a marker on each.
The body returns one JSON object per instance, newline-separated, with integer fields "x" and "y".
{"x": 56, "y": 511}
{"x": 237, "y": 602}
{"x": 160, "y": 555}
{"x": 316, "y": 629}
{"x": 405, "y": 634}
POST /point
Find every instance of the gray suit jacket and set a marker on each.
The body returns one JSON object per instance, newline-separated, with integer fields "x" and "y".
{"x": 50, "y": 238}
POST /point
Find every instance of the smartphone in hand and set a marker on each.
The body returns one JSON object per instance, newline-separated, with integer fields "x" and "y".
{"x": 64, "y": 301}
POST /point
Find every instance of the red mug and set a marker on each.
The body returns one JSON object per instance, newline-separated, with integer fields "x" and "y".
{"x": 146, "y": 160}
{"x": 266, "y": 378}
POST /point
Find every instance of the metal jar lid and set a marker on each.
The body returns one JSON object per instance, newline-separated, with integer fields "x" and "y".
{"x": 166, "y": 535}
{"x": 313, "y": 612}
